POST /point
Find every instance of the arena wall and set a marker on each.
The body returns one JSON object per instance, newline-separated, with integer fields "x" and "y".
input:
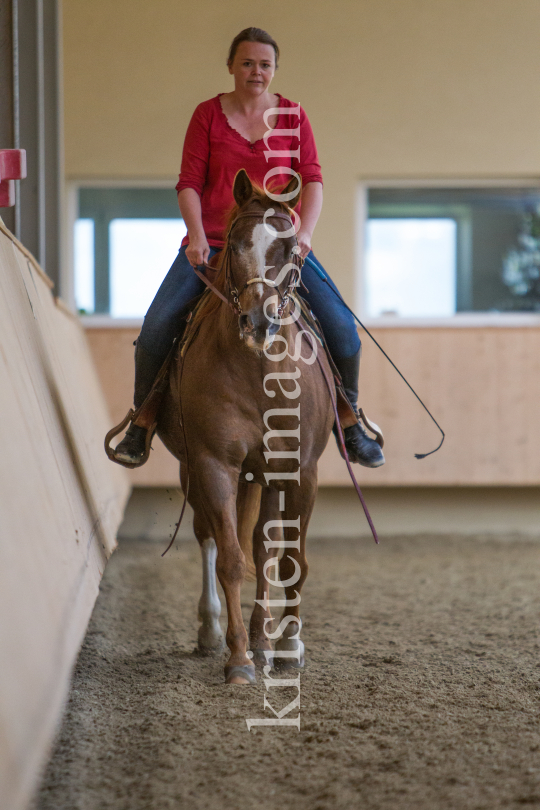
{"x": 483, "y": 384}
{"x": 61, "y": 502}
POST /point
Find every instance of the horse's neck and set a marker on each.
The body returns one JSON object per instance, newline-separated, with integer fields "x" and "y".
{"x": 225, "y": 331}
{"x": 221, "y": 334}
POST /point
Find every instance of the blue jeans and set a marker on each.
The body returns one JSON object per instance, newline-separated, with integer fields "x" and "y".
{"x": 164, "y": 319}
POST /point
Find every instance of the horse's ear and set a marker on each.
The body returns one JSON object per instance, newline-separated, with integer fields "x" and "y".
{"x": 242, "y": 188}
{"x": 294, "y": 188}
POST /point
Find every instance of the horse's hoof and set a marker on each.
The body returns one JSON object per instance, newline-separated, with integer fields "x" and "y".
{"x": 210, "y": 643}
{"x": 205, "y": 652}
{"x": 240, "y": 674}
{"x": 263, "y": 658}
{"x": 290, "y": 662}
{"x": 215, "y": 649}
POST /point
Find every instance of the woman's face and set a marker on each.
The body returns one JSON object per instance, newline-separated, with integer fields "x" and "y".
{"x": 253, "y": 67}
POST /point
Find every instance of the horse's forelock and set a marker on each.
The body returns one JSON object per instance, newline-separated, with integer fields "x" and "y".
{"x": 259, "y": 196}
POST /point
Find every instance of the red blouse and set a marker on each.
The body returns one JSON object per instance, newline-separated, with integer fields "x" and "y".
{"x": 214, "y": 152}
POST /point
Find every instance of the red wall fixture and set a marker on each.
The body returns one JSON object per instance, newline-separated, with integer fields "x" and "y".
{"x": 12, "y": 167}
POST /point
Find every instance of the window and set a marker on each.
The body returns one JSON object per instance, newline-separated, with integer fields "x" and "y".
{"x": 432, "y": 252}
{"x": 125, "y": 241}
{"x": 411, "y": 266}
{"x": 84, "y": 264}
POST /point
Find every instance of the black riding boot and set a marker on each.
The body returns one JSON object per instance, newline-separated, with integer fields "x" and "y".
{"x": 360, "y": 447}
{"x": 132, "y": 447}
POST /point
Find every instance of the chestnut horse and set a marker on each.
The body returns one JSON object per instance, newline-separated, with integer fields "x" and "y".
{"x": 248, "y": 403}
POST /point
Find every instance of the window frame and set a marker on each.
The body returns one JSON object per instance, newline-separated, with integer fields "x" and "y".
{"x": 459, "y": 319}
{"x": 67, "y": 280}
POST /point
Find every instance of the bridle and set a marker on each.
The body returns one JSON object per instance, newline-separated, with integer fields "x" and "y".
{"x": 233, "y": 299}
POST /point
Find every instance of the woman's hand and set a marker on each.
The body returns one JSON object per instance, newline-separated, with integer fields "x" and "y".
{"x": 198, "y": 251}
{"x": 312, "y": 198}
{"x": 304, "y": 242}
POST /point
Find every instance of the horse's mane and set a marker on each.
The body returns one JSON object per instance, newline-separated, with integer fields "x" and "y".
{"x": 210, "y": 303}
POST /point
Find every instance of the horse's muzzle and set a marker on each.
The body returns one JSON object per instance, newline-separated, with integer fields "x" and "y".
{"x": 256, "y": 328}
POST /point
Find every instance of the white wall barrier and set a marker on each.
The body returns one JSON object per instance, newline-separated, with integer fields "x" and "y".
{"x": 61, "y": 502}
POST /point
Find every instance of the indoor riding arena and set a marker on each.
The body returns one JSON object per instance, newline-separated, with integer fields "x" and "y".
{"x": 400, "y": 674}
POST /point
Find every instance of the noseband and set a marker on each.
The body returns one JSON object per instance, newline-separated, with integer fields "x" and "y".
{"x": 233, "y": 299}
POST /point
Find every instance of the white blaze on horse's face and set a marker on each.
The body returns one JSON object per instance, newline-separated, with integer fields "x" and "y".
{"x": 253, "y": 322}
{"x": 262, "y": 239}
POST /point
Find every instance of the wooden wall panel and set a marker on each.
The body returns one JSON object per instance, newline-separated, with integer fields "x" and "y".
{"x": 481, "y": 383}
{"x": 60, "y": 505}
{"x": 112, "y": 350}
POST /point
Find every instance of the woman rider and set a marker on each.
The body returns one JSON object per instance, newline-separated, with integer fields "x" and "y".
{"x": 226, "y": 134}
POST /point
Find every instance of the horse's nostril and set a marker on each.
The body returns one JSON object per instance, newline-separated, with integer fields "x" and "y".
{"x": 245, "y": 323}
{"x": 257, "y": 324}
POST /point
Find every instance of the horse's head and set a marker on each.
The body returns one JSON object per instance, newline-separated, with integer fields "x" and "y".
{"x": 261, "y": 261}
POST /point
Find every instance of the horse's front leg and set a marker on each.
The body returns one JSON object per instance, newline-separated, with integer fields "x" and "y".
{"x": 293, "y": 568}
{"x": 260, "y": 627}
{"x": 216, "y": 492}
{"x": 210, "y": 636}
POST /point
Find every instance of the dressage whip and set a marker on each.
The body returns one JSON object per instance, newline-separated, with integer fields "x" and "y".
{"x": 322, "y": 276}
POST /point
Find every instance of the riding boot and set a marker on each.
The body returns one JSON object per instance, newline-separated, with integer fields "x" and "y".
{"x": 133, "y": 446}
{"x": 360, "y": 447}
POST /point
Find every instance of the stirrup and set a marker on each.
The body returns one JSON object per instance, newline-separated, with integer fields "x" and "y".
{"x": 379, "y": 438}
{"x": 146, "y": 416}
{"x": 118, "y": 429}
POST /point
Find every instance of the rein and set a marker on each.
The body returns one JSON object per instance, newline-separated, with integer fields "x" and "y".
{"x": 332, "y": 391}
{"x": 322, "y": 276}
